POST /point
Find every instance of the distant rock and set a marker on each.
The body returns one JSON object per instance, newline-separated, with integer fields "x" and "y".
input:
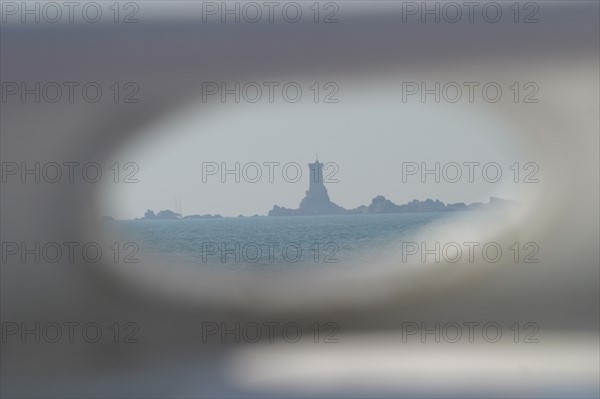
{"x": 281, "y": 211}
{"x": 358, "y": 211}
{"x": 459, "y": 206}
{"x": 428, "y": 205}
{"x": 166, "y": 214}
{"x": 380, "y": 204}
{"x": 495, "y": 204}
{"x": 206, "y": 216}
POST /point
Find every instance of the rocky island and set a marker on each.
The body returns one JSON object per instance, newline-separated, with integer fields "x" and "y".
{"x": 317, "y": 202}
{"x": 168, "y": 214}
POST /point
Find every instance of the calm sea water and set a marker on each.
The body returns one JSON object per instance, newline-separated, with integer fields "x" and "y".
{"x": 278, "y": 243}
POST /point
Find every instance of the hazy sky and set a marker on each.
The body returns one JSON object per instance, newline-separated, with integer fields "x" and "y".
{"x": 368, "y": 135}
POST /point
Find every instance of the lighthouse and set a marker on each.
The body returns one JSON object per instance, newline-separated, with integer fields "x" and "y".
{"x": 316, "y": 174}
{"x": 316, "y": 201}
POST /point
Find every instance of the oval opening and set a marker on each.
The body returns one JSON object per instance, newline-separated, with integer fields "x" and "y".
{"x": 233, "y": 188}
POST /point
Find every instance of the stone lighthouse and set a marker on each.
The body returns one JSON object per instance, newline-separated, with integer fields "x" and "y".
{"x": 316, "y": 201}
{"x": 316, "y": 176}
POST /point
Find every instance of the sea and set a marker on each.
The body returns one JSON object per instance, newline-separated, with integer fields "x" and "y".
{"x": 279, "y": 244}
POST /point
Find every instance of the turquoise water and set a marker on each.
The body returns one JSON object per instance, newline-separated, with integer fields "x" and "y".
{"x": 278, "y": 243}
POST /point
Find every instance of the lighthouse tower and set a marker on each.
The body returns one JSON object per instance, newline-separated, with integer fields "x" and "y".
{"x": 317, "y": 200}
{"x": 316, "y": 175}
